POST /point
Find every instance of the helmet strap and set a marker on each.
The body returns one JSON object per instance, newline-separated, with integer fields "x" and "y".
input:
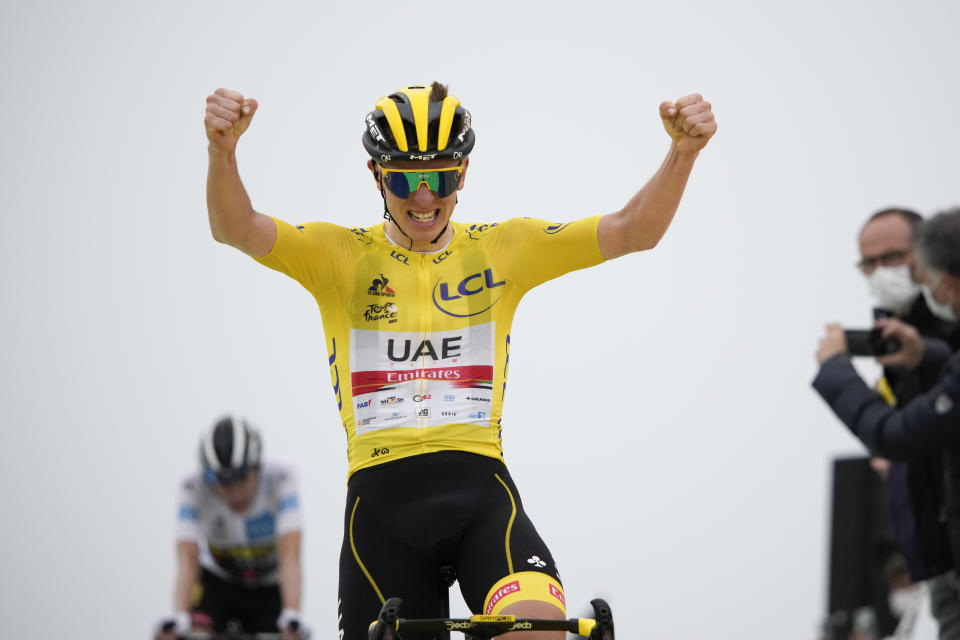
{"x": 444, "y": 230}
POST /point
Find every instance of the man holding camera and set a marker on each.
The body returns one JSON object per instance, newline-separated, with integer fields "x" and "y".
{"x": 920, "y": 416}
{"x": 915, "y": 487}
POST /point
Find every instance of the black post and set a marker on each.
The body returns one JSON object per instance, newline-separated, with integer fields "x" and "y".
{"x": 860, "y": 541}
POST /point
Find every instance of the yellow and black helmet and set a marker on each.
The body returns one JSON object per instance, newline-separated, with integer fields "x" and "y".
{"x": 408, "y": 125}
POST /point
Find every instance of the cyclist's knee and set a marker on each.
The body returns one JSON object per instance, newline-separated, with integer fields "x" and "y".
{"x": 534, "y": 609}
{"x": 537, "y": 610}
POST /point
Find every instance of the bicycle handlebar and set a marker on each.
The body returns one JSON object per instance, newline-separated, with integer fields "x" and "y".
{"x": 203, "y": 635}
{"x": 489, "y": 626}
{"x": 389, "y": 625}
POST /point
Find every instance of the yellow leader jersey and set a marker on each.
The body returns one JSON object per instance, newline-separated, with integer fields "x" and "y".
{"x": 419, "y": 343}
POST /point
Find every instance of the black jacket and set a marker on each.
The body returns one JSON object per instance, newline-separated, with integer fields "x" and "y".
{"x": 927, "y": 425}
{"x": 915, "y": 488}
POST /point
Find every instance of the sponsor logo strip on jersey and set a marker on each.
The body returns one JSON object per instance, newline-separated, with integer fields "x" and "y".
{"x": 416, "y": 379}
{"x": 556, "y": 593}
{"x": 365, "y": 382}
{"x": 502, "y": 592}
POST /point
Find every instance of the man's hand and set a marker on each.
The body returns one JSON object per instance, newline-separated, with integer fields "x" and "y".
{"x": 910, "y": 354}
{"x": 172, "y": 627}
{"x": 881, "y": 466}
{"x": 833, "y": 342}
{"x": 689, "y": 122}
{"x": 228, "y": 116}
{"x": 291, "y": 625}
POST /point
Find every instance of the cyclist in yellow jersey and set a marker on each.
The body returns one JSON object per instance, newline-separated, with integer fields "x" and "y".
{"x": 416, "y": 313}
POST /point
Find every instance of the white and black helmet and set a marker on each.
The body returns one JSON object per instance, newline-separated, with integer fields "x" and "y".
{"x": 229, "y": 450}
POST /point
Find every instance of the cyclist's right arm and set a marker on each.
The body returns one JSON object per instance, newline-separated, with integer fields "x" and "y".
{"x": 188, "y": 571}
{"x": 233, "y": 220}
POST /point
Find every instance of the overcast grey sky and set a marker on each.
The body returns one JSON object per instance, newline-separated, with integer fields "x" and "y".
{"x": 659, "y": 424}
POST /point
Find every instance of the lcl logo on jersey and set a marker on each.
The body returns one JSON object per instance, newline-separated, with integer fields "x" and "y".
{"x": 555, "y": 228}
{"x": 470, "y": 286}
{"x": 442, "y": 256}
{"x": 363, "y": 235}
{"x": 476, "y": 231}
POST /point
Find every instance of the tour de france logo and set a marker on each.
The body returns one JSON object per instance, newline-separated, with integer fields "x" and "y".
{"x": 386, "y": 311}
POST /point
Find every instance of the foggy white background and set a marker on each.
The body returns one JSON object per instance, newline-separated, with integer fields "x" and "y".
{"x": 659, "y": 420}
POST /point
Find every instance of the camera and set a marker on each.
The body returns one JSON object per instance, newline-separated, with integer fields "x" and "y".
{"x": 869, "y": 342}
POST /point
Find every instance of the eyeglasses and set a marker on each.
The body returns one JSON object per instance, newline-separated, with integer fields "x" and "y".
{"x": 403, "y": 182}
{"x": 888, "y": 259}
{"x": 226, "y": 478}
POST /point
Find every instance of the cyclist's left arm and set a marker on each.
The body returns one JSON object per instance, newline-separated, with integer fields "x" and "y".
{"x": 644, "y": 220}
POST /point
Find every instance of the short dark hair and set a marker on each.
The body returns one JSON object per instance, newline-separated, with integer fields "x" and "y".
{"x": 910, "y": 216}
{"x": 438, "y": 92}
{"x": 938, "y": 242}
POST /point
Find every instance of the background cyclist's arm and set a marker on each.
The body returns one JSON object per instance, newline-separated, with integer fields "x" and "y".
{"x": 233, "y": 220}
{"x": 644, "y": 220}
{"x": 188, "y": 571}
{"x": 288, "y": 560}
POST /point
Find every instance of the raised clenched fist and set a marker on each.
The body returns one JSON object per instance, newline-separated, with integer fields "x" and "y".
{"x": 228, "y": 116}
{"x": 689, "y": 121}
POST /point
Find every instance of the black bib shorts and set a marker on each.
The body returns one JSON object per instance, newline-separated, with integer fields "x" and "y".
{"x": 220, "y": 602}
{"x": 406, "y": 519}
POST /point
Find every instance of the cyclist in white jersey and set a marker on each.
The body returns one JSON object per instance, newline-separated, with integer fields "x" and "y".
{"x": 238, "y": 540}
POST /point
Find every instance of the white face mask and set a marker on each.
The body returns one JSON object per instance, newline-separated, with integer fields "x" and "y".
{"x": 892, "y": 287}
{"x": 942, "y": 311}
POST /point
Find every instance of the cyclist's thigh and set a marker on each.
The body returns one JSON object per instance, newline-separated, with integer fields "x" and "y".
{"x": 257, "y": 608}
{"x": 502, "y": 557}
{"x": 374, "y": 566}
{"x": 209, "y": 606}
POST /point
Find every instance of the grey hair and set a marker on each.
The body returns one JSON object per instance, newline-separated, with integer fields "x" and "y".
{"x": 937, "y": 242}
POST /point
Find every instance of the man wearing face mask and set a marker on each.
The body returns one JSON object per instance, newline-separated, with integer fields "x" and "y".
{"x": 909, "y": 428}
{"x": 914, "y": 488}
{"x": 886, "y": 260}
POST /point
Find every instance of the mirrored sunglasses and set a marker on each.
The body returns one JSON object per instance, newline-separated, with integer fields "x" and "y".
{"x": 403, "y": 182}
